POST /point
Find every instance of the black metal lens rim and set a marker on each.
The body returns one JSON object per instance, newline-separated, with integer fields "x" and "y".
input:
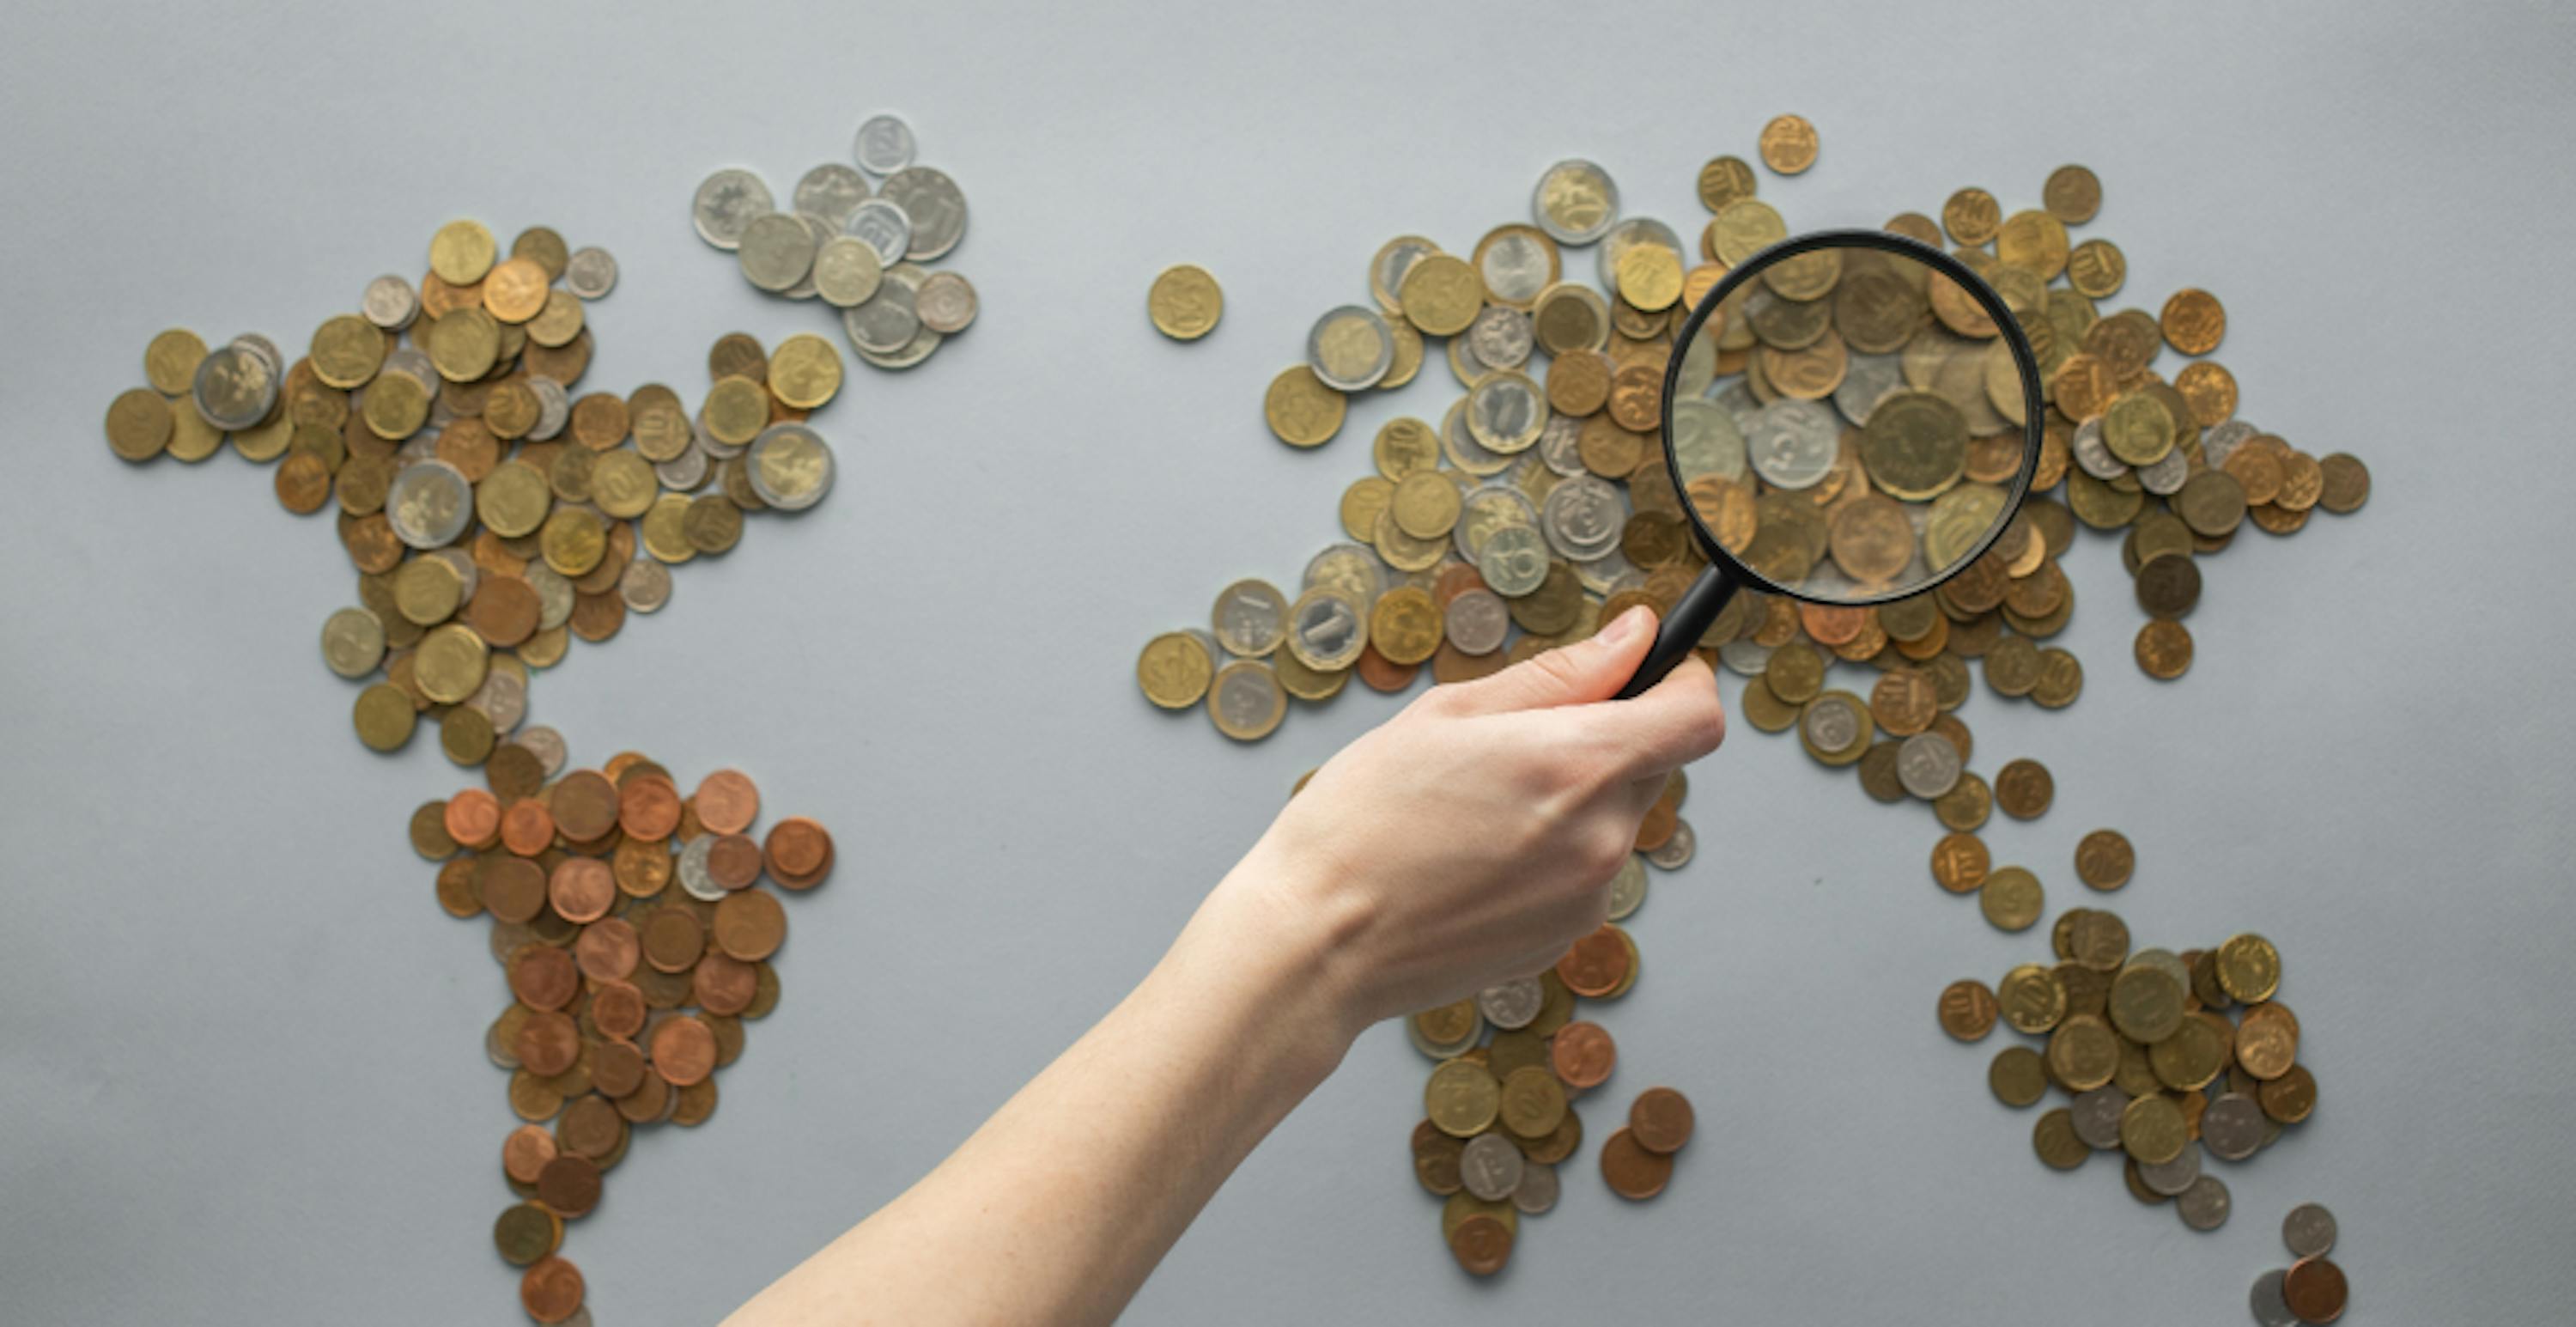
{"x": 2006, "y": 326}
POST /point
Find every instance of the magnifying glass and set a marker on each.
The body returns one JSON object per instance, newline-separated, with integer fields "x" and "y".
{"x": 1850, "y": 418}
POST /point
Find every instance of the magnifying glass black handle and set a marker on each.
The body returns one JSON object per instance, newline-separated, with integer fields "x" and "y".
{"x": 1682, "y": 627}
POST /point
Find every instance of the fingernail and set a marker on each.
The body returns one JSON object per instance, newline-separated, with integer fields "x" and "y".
{"x": 1623, "y": 626}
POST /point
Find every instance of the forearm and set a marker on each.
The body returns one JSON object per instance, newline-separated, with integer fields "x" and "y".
{"x": 1057, "y": 1208}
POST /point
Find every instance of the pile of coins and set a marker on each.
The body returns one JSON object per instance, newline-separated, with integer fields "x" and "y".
{"x": 1511, "y": 1061}
{"x": 2311, "y": 1290}
{"x": 636, "y": 940}
{"x": 2143, "y": 1044}
{"x": 491, "y": 515}
{"x": 854, "y": 245}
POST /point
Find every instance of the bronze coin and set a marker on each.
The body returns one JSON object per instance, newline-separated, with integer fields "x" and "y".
{"x": 1661, "y": 1119}
{"x": 1595, "y": 964}
{"x": 684, "y": 1050}
{"x": 542, "y": 977}
{"x": 525, "y": 1152}
{"x": 2315, "y": 1289}
{"x": 590, "y": 1128}
{"x": 648, "y": 808}
{"x": 725, "y": 984}
{"x": 585, "y": 805}
{"x": 650, "y": 1100}
{"x": 1967, "y": 1009}
{"x": 1435, "y": 1159}
{"x": 607, "y": 950}
{"x": 525, "y": 1233}
{"x": 1583, "y": 1054}
{"x": 798, "y": 848}
{"x": 2104, "y": 859}
{"x": 527, "y": 827}
{"x": 750, "y": 925}
{"x": 733, "y": 861}
{"x": 1960, "y": 863}
{"x": 504, "y": 610}
{"x": 581, "y": 889}
{"x": 513, "y": 888}
{"x": 727, "y": 802}
{"x": 2024, "y": 788}
{"x": 549, "y": 1043}
{"x": 643, "y": 867}
{"x": 1633, "y": 1172}
{"x": 551, "y": 1290}
{"x": 1481, "y": 1244}
{"x": 1382, "y": 674}
{"x": 569, "y": 1184}
{"x": 2163, "y": 647}
{"x": 617, "y": 1065}
{"x": 673, "y": 939}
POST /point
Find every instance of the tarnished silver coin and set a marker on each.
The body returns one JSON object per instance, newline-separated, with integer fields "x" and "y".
{"x": 390, "y": 303}
{"x": 1514, "y": 560}
{"x": 1512, "y": 1004}
{"x": 1560, "y": 445}
{"x": 776, "y": 251}
{"x": 1489, "y": 507}
{"x": 831, "y": 191}
{"x": 2309, "y": 1230}
{"x": 429, "y": 504}
{"x": 1676, "y": 851}
{"x": 885, "y": 228}
{"x": 1928, "y": 765}
{"x": 726, "y": 203}
{"x": 458, "y": 560}
{"x": 888, "y": 321}
{"x": 884, "y": 144}
{"x": 789, "y": 466}
{"x": 1868, "y": 380}
{"x": 555, "y": 595}
{"x": 2092, "y": 455}
{"x": 692, "y": 870}
{"x": 645, "y": 585}
{"x": 502, "y": 699}
{"x": 590, "y": 272}
{"x": 1628, "y": 888}
{"x": 353, "y": 642}
{"x": 1706, "y": 441}
{"x": 905, "y": 356}
{"x": 1354, "y": 569}
{"x": 2165, "y": 477}
{"x": 2096, "y": 1117}
{"x": 1491, "y": 1166}
{"x": 265, "y": 349}
{"x": 554, "y": 407}
{"x": 547, "y": 746}
{"x": 1537, "y": 1190}
{"x": 2270, "y": 1308}
{"x": 945, "y": 302}
{"x": 1793, "y": 444}
{"x": 1501, "y": 337}
{"x": 936, "y": 207}
{"x": 1583, "y": 518}
{"x": 2171, "y": 1178}
{"x": 2221, "y": 442}
{"x": 235, "y": 387}
{"x": 685, "y": 472}
{"x": 2232, "y": 1127}
{"x": 1506, "y": 412}
{"x": 1576, "y": 202}
{"x": 2204, "y": 1205}
{"x": 1476, "y": 621}
{"x": 1745, "y": 656}
{"x": 1831, "y": 722}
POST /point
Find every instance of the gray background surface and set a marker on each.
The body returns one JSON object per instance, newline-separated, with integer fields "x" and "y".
{"x": 240, "y": 1048}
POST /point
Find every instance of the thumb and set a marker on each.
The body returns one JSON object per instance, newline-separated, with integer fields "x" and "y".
{"x": 1577, "y": 674}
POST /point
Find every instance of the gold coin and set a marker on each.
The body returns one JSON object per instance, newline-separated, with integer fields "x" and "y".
{"x": 515, "y": 290}
{"x": 2032, "y": 999}
{"x": 804, "y": 371}
{"x": 2249, "y": 968}
{"x": 1426, "y": 505}
{"x": 573, "y": 541}
{"x": 450, "y": 663}
{"x": 396, "y": 405}
{"x": 1971, "y": 216}
{"x": 139, "y": 423}
{"x": 170, "y": 361}
{"x": 1723, "y": 180}
{"x": 1788, "y": 145}
{"x": 2083, "y": 1052}
{"x": 1302, "y": 411}
{"x": 2011, "y": 898}
{"x": 2017, "y": 1076}
{"x": 384, "y": 717}
{"x": 462, "y": 252}
{"x": 2193, "y": 322}
{"x": 2152, "y": 1130}
{"x": 1405, "y": 625}
{"x": 1650, "y": 277}
{"x": 2097, "y": 269}
{"x": 2073, "y": 194}
{"x": 1441, "y": 294}
{"x": 2055, "y": 1140}
{"x": 1462, "y": 1098}
{"x": 1185, "y": 302}
{"x": 1174, "y": 670}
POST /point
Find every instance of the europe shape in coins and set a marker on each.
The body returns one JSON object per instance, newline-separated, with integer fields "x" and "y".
{"x": 493, "y": 511}
{"x": 854, "y": 236}
{"x": 635, "y": 939}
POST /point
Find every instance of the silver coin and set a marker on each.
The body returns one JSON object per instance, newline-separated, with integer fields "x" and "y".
{"x": 1476, "y": 621}
{"x": 353, "y": 642}
{"x": 2096, "y": 1116}
{"x": 1516, "y": 266}
{"x": 1491, "y": 1166}
{"x": 1387, "y": 271}
{"x": 935, "y": 206}
{"x": 645, "y": 585}
{"x": 1745, "y": 657}
{"x": 2171, "y": 1178}
{"x": 2165, "y": 477}
{"x": 831, "y": 191}
{"x": 1353, "y": 569}
{"x": 1514, "y": 560}
{"x": 234, "y": 372}
{"x": 429, "y": 504}
{"x": 885, "y": 228}
{"x": 1736, "y": 398}
{"x": 1489, "y": 507}
{"x": 1928, "y": 765}
{"x": 1677, "y": 850}
{"x": 1506, "y": 413}
{"x": 503, "y": 699}
{"x": 419, "y": 447}
{"x": 1248, "y": 697}
{"x": 1792, "y": 444}
{"x": 1559, "y": 445}
{"x": 468, "y": 575}
{"x": 2270, "y": 1308}
{"x": 1350, "y": 348}
{"x": 1512, "y": 1004}
{"x": 776, "y": 251}
{"x": 1609, "y": 573}
{"x": 2221, "y": 442}
{"x": 1459, "y": 443}
{"x": 413, "y": 362}
{"x": 789, "y": 466}
{"x": 946, "y": 303}
{"x": 265, "y": 349}
{"x": 692, "y": 870}
{"x": 685, "y": 472}
{"x": 1327, "y": 629}
{"x": 554, "y": 595}
{"x": 889, "y": 320}
{"x": 1250, "y": 618}
{"x": 591, "y": 272}
{"x": 390, "y": 303}
{"x": 2232, "y": 1127}
{"x": 1706, "y": 441}
{"x": 547, "y": 746}
{"x": 726, "y": 203}
{"x": 1627, "y": 235}
{"x": 1501, "y": 337}
{"x": 498, "y": 1049}
{"x": 1572, "y": 225}
{"x": 554, "y": 407}
{"x": 1537, "y": 1190}
{"x": 822, "y": 231}
{"x": 1440, "y": 1051}
{"x": 1628, "y": 888}
{"x": 912, "y": 352}
{"x": 2092, "y": 455}
{"x": 1832, "y": 722}
{"x": 884, "y": 145}
{"x": 2204, "y": 1205}
{"x": 1868, "y": 380}
{"x": 1583, "y": 518}
{"x": 2309, "y": 1230}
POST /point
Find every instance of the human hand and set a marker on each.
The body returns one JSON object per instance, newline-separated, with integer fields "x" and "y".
{"x": 1472, "y": 838}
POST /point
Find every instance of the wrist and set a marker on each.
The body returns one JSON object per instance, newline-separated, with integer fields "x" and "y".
{"x": 1269, "y": 941}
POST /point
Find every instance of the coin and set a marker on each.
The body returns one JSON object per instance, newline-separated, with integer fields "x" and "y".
{"x": 1185, "y": 302}
{"x": 1967, "y": 1009}
{"x": 1632, "y": 1171}
{"x": 2309, "y": 1230}
{"x": 1575, "y": 202}
{"x": 1788, "y": 144}
{"x": 2315, "y": 1290}
{"x": 726, "y": 204}
{"x": 2104, "y": 859}
{"x": 1303, "y": 411}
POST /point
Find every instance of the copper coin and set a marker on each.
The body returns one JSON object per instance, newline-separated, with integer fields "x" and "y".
{"x": 1481, "y": 1244}
{"x": 1383, "y": 674}
{"x": 504, "y": 610}
{"x": 581, "y": 889}
{"x": 2024, "y": 788}
{"x": 673, "y": 939}
{"x": 643, "y": 867}
{"x": 1960, "y": 863}
{"x": 2103, "y": 859}
{"x": 569, "y": 1184}
{"x": 2315, "y": 1289}
{"x": 511, "y": 887}
{"x": 725, "y": 984}
{"x": 590, "y": 1127}
{"x": 1435, "y": 1159}
{"x": 473, "y": 818}
{"x": 527, "y": 828}
{"x": 727, "y": 802}
{"x": 750, "y": 925}
{"x": 798, "y": 848}
{"x": 648, "y": 808}
{"x": 649, "y": 1102}
{"x": 1661, "y": 1119}
{"x": 526, "y": 1152}
{"x": 551, "y": 1290}
{"x": 549, "y": 1042}
{"x": 543, "y": 977}
{"x": 616, "y": 1066}
{"x": 1658, "y": 827}
{"x": 457, "y": 891}
{"x": 585, "y": 805}
{"x": 1594, "y": 964}
{"x": 1583, "y": 1054}
{"x": 733, "y": 861}
{"x": 1633, "y": 1172}
{"x": 1967, "y": 1009}
{"x": 607, "y": 950}
{"x": 684, "y": 1050}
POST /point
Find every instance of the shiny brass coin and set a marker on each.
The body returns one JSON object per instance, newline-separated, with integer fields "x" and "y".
{"x": 2073, "y": 194}
{"x": 1462, "y": 1099}
{"x": 1788, "y": 145}
{"x": 1441, "y": 294}
{"x": 2017, "y": 1077}
{"x": 1301, "y": 410}
{"x": 804, "y": 372}
{"x": 1185, "y": 302}
{"x": 139, "y": 423}
{"x": 2248, "y": 968}
{"x": 2104, "y": 859}
{"x": 2031, "y": 999}
{"x": 1174, "y": 670}
{"x": 1967, "y": 1009}
{"x": 2011, "y": 898}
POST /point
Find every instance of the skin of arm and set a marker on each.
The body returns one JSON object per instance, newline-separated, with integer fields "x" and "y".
{"x": 1466, "y": 841}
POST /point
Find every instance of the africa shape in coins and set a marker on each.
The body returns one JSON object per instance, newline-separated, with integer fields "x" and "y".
{"x": 635, "y": 938}
{"x": 492, "y": 515}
